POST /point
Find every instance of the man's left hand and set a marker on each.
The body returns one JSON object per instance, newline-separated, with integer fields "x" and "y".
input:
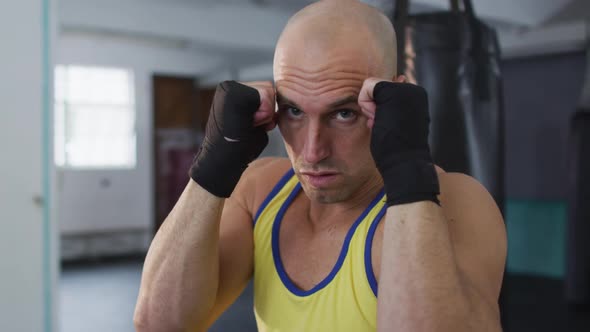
{"x": 397, "y": 113}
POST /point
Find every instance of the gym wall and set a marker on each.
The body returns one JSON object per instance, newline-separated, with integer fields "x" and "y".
{"x": 541, "y": 93}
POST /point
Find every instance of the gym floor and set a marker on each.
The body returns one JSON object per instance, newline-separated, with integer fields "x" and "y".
{"x": 100, "y": 296}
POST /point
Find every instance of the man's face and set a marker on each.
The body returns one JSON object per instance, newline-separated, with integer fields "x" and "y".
{"x": 325, "y": 133}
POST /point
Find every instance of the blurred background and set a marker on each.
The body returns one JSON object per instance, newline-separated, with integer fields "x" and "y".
{"x": 104, "y": 105}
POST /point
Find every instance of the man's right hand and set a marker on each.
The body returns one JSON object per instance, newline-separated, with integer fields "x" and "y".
{"x": 235, "y": 135}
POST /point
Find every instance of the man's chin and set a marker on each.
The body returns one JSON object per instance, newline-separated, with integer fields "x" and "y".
{"x": 325, "y": 195}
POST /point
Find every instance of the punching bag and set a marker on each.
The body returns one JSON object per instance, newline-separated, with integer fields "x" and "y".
{"x": 455, "y": 57}
{"x": 577, "y": 279}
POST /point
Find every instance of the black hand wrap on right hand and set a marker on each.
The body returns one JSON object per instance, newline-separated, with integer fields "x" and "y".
{"x": 399, "y": 143}
{"x": 231, "y": 141}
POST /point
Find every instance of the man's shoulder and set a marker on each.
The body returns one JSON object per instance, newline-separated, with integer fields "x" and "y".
{"x": 260, "y": 178}
{"x": 474, "y": 218}
{"x": 470, "y": 209}
{"x": 477, "y": 230}
{"x": 462, "y": 190}
{"x": 459, "y": 185}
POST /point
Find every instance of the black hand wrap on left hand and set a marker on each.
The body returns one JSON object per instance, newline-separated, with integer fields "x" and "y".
{"x": 399, "y": 143}
{"x": 231, "y": 140}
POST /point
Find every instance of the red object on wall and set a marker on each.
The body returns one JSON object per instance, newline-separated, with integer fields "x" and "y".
{"x": 179, "y": 162}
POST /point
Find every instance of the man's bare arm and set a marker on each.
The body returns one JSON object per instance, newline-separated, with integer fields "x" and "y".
{"x": 180, "y": 275}
{"x": 184, "y": 271}
{"x": 439, "y": 272}
{"x": 208, "y": 279}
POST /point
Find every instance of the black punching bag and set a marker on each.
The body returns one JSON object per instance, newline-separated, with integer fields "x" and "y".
{"x": 455, "y": 57}
{"x": 577, "y": 279}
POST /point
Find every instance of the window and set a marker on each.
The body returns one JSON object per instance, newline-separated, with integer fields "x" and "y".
{"x": 94, "y": 117}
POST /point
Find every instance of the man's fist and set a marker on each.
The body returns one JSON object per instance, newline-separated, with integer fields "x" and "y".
{"x": 235, "y": 135}
{"x": 265, "y": 115}
{"x": 398, "y": 115}
{"x": 366, "y": 101}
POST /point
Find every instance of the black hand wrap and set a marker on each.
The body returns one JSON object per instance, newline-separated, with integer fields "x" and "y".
{"x": 399, "y": 143}
{"x": 231, "y": 140}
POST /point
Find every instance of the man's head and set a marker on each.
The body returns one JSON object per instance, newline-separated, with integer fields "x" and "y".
{"x": 322, "y": 58}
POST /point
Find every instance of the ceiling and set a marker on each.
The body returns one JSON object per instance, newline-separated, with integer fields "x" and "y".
{"x": 518, "y": 12}
{"x": 245, "y": 31}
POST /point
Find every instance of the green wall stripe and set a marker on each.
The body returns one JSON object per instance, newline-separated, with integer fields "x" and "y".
{"x": 45, "y": 146}
{"x": 536, "y": 237}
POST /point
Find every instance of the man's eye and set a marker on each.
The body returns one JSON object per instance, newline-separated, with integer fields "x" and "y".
{"x": 345, "y": 115}
{"x": 294, "y": 112}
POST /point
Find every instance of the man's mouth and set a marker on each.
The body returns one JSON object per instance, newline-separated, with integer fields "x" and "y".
{"x": 320, "y": 179}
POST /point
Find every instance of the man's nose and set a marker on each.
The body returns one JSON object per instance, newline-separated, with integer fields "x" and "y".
{"x": 316, "y": 147}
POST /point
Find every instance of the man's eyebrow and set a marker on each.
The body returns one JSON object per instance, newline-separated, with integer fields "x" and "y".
{"x": 341, "y": 102}
{"x": 284, "y": 100}
{"x": 344, "y": 101}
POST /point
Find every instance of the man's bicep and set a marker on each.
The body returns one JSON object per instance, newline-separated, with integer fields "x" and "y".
{"x": 236, "y": 251}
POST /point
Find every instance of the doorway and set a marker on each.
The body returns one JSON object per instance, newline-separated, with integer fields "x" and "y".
{"x": 181, "y": 110}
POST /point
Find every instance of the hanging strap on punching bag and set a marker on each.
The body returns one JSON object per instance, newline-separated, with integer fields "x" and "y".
{"x": 478, "y": 48}
{"x": 400, "y": 21}
{"x": 584, "y": 103}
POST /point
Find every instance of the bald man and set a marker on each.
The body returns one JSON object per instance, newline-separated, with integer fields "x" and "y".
{"x": 357, "y": 231}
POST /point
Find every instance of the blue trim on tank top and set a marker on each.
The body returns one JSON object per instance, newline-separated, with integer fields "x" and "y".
{"x": 273, "y": 193}
{"x": 277, "y": 256}
{"x": 369, "y": 249}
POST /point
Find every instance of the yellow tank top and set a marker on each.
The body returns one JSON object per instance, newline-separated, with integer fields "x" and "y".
{"x": 346, "y": 300}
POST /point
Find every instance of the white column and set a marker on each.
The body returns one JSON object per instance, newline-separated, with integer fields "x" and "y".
{"x": 28, "y": 265}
